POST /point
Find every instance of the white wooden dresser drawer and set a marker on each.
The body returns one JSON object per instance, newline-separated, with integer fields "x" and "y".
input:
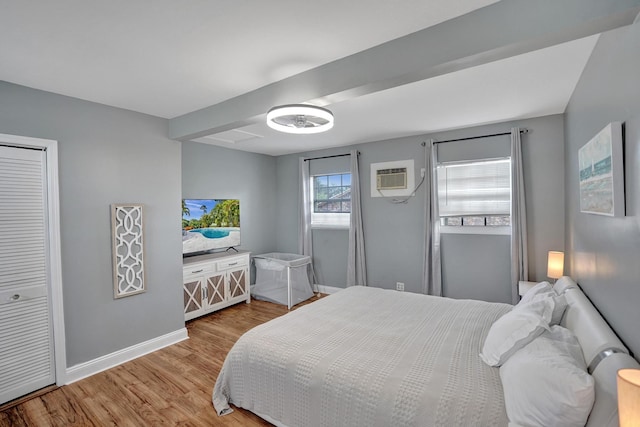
{"x": 232, "y": 263}
{"x": 204, "y": 268}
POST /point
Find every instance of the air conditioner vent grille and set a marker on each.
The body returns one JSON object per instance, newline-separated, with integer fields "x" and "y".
{"x": 391, "y": 179}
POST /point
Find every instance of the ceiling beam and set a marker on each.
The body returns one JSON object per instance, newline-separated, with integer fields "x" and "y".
{"x": 498, "y": 31}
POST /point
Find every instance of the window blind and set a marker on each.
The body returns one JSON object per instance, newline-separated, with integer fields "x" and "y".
{"x": 474, "y": 188}
{"x": 331, "y": 200}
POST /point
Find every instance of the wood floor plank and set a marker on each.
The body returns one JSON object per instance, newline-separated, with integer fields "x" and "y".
{"x": 62, "y": 409}
{"x": 170, "y": 387}
{"x": 11, "y": 417}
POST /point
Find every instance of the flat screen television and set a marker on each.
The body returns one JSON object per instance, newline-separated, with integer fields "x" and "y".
{"x": 209, "y": 225}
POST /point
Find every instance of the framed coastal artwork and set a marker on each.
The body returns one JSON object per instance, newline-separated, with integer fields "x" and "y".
{"x": 128, "y": 250}
{"x": 602, "y": 173}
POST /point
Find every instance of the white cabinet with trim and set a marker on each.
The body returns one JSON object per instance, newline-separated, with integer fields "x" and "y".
{"x": 214, "y": 281}
{"x": 27, "y": 358}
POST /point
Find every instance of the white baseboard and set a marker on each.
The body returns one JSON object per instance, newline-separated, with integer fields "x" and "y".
{"x": 92, "y": 367}
{"x": 327, "y": 289}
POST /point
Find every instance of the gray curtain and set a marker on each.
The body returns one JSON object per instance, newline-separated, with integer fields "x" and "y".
{"x": 519, "y": 260}
{"x": 305, "y": 241}
{"x": 356, "y": 265}
{"x": 432, "y": 267}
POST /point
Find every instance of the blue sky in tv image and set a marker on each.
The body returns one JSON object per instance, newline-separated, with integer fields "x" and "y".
{"x": 195, "y": 207}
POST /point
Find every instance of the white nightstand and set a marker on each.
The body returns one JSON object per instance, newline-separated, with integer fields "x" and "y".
{"x": 524, "y": 286}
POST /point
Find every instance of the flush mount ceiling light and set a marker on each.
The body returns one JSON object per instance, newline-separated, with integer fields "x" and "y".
{"x": 300, "y": 118}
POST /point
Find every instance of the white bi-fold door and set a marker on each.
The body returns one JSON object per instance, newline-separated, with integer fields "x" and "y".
{"x": 26, "y": 330}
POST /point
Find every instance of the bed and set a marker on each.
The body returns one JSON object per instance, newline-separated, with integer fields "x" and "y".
{"x": 372, "y": 357}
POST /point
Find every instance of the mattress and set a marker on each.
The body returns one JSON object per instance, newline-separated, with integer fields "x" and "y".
{"x": 368, "y": 357}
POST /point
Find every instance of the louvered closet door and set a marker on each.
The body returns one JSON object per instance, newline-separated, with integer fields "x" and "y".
{"x": 26, "y": 338}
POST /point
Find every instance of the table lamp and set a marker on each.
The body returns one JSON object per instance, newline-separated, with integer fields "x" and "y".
{"x": 629, "y": 397}
{"x": 555, "y": 264}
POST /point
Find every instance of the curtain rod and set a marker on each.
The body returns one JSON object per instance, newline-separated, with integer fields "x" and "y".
{"x": 328, "y": 157}
{"x": 478, "y": 137}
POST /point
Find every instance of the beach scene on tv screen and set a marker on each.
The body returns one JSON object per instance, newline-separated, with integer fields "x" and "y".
{"x": 210, "y": 224}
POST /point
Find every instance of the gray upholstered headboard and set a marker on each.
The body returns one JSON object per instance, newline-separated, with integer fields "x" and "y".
{"x": 603, "y": 351}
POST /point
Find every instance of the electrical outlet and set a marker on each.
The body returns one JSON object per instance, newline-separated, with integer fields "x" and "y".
{"x": 400, "y": 286}
{"x": 422, "y": 172}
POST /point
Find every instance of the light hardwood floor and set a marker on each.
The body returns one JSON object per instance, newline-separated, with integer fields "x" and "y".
{"x": 170, "y": 387}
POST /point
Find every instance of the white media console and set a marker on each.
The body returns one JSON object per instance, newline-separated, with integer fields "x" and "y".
{"x": 214, "y": 281}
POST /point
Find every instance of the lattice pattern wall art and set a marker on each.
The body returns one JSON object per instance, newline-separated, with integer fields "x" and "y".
{"x": 128, "y": 250}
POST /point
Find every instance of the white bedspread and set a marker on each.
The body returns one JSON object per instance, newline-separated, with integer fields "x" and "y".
{"x": 368, "y": 357}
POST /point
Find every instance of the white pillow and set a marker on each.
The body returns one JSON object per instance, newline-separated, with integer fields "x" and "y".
{"x": 541, "y": 288}
{"x": 559, "y": 305}
{"x": 516, "y": 329}
{"x": 546, "y": 383}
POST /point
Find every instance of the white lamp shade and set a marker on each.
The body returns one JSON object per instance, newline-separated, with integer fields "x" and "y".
{"x": 555, "y": 264}
{"x": 629, "y": 397}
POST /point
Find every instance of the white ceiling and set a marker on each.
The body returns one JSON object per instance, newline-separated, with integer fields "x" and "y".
{"x": 168, "y": 58}
{"x": 524, "y": 86}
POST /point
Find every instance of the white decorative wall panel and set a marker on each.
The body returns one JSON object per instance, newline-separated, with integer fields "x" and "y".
{"x": 128, "y": 250}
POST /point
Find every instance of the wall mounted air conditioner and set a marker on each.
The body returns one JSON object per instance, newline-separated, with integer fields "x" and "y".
{"x": 391, "y": 179}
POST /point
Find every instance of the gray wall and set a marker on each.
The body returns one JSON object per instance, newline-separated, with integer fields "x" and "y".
{"x": 473, "y": 266}
{"x": 215, "y": 172}
{"x": 107, "y": 155}
{"x": 603, "y": 251}
{"x": 393, "y": 232}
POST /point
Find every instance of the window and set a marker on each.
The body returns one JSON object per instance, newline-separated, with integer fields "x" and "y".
{"x": 475, "y": 194}
{"x": 331, "y": 200}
